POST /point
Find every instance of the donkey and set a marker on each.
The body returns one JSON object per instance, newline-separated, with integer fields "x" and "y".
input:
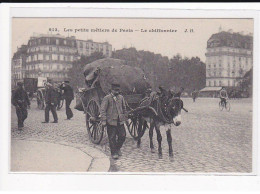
{"x": 163, "y": 110}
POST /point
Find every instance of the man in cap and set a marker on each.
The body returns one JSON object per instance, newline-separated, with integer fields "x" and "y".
{"x": 51, "y": 103}
{"x": 68, "y": 96}
{"x": 21, "y": 101}
{"x": 113, "y": 111}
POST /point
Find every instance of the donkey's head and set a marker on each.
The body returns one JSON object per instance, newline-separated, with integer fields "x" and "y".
{"x": 172, "y": 107}
{"x": 175, "y": 106}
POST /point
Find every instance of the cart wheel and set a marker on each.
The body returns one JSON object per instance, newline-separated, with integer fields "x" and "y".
{"x": 133, "y": 124}
{"x": 40, "y": 101}
{"x": 228, "y": 106}
{"x": 93, "y": 121}
{"x": 221, "y": 106}
{"x": 60, "y": 104}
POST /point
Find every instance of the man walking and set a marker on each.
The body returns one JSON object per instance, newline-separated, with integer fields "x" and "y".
{"x": 113, "y": 110}
{"x": 21, "y": 101}
{"x": 194, "y": 95}
{"x": 51, "y": 103}
{"x": 68, "y": 96}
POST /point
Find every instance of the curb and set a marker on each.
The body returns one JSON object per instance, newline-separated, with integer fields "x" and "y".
{"x": 100, "y": 162}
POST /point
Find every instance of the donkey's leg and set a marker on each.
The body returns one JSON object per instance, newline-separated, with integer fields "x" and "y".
{"x": 151, "y": 136}
{"x": 139, "y": 129}
{"x": 169, "y": 139}
{"x": 159, "y": 139}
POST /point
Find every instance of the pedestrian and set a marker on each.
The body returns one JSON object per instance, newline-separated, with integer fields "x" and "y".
{"x": 51, "y": 103}
{"x": 194, "y": 95}
{"x": 113, "y": 116}
{"x": 68, "y": 96}
{"x": 21, "y": 101}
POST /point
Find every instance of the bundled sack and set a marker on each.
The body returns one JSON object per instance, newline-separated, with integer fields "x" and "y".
{"x": 107, "y": 71}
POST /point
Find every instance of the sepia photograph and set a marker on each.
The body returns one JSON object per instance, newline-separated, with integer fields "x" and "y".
{"x": 131, "y": 95}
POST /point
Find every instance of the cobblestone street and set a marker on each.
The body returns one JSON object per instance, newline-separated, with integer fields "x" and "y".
{"x": 208, "y": 140}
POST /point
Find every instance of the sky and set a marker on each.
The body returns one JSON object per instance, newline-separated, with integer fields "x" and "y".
{"x": 136, "y": 32}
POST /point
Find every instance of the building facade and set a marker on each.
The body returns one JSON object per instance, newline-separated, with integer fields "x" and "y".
{"x": 229, "y": 56}
{"x": 18, "y": 65}
{"x": 50, "y": 56}
{"x": 87, "y": 47}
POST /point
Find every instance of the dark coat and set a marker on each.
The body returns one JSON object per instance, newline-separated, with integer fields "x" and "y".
{"x": 20, "y": 98}
{"x": 68, "y": 92}
{"x": 51, "y": 96}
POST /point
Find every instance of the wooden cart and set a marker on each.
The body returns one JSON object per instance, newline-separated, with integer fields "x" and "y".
{"x": 91, "y": 100}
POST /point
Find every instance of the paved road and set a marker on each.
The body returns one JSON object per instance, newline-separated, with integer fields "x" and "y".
{"x": 34, "y": 156}
{"x": 208, "y": 140}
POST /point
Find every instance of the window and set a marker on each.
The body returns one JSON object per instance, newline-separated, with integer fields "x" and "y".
{"x": 50, "y": 48}
{"x": 214, "y": 83}
{"x": 81, "y": 44}
{"x": 48, "y": 40}
{"x": 58, "y": 57}
{"x": 220, "y": 83}
{"x": 214, "y": 73}
{"x": 57, "y": 42}
{"x": 228, "y": 83}
{"x": 65, "y": 42}
{"x": 58, "y": 66}
{"x": 58, "y": 49}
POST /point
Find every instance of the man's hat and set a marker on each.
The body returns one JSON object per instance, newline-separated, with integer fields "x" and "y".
{"x": 115, "y": 86}
{"x": 19, "y": 83}
{"x": 67, "y": 81}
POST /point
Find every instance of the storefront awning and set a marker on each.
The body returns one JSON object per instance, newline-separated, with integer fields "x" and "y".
{"x": 210, "y": 89}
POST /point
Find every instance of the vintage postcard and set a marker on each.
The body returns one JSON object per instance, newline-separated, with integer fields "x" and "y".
{"x": 132, "y": 95}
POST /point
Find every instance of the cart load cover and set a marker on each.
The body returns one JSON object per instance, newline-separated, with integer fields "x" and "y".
{"x": 131, "y": 79}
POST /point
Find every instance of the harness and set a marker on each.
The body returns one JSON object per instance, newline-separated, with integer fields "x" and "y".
{"x": 159, "y": 109}
{"x": 163, "y": 112}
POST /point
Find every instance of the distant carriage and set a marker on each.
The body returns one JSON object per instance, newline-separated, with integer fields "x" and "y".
{"x": 99, "y": 76}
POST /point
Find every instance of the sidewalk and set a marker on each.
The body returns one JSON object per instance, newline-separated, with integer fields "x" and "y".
{"x": 38, "y": 156}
